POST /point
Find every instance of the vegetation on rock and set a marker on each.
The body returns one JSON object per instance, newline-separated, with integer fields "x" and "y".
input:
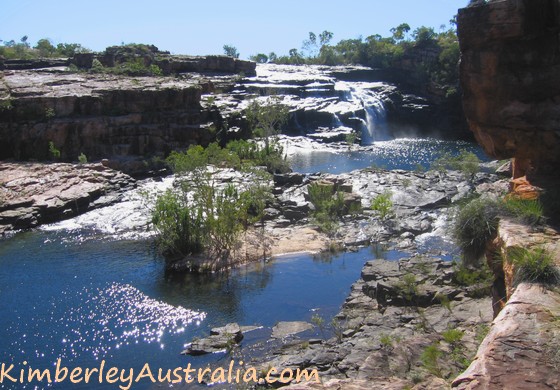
{"x": 44, "y": 48}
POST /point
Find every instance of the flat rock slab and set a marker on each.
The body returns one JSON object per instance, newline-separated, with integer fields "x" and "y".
{"x": 284, "y": 329}
{"x": 32, "y": 193}
{"x": 220, "y": 339}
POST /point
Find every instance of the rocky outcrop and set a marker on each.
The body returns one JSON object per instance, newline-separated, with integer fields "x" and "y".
{"x": 149, "y": 55}
{"x": 510, "y": 67}
{"x": 124, "y": 119}
{"x": 522, "y": 349}
{"x": 33, "y": 194}
{"x": 34, "y": 63}
{"x": 379, "y": 339}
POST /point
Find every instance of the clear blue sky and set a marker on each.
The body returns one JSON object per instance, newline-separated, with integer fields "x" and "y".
{"x": 204, "y": 26}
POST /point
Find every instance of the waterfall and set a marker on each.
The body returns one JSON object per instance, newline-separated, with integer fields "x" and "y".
{"x": 362, "y": 96}
{"x": 336, "y": 121}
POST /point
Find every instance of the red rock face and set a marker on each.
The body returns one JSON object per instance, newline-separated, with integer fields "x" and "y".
{"x": 510, "y": 76}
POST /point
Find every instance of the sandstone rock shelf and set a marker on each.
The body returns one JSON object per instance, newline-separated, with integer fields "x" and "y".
{"x": 33, "y": 194}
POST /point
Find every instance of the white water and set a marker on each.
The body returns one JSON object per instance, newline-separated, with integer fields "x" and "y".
{"x": 361, "y": 94}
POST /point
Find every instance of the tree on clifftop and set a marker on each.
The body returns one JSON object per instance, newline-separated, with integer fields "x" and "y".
{"x": 231, "y": 51}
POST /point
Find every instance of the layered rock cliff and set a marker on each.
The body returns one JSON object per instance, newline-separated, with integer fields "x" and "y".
{"x": 102, "y": 116}
{"x": 510, "y": 75}
{"x": 510, "y": 67}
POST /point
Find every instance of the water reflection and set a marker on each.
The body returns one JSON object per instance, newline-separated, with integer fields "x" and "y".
{"x": 408, "y": 154}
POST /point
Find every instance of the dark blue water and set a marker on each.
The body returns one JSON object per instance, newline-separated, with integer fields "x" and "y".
{"x": 87, "y": 300}
{"x": 408, "y": 154}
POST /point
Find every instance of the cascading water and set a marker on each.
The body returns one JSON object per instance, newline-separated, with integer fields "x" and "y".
{"x": 374, "y": 126}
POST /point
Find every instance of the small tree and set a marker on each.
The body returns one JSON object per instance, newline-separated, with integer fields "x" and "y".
{"x": 231, "y": 51}
{"x": 266, "y": 119}
{"x": 259, "y": 58}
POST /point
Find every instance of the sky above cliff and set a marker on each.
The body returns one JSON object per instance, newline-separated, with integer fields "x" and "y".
{"x": 203, "y": 27}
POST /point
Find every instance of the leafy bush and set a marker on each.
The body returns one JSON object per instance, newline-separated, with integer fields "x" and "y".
{"x": 197, "y": 217}
{"x": 534, "y": 266}
{"x": 82, "y": 159}
{"x": 475, "y": 223}
{"x": 466, "y": 162}
{"x": 453, "y": 336}
{"x": 53, "y": 151}
{"x": 328, "y": 204}
{"x": 266, "y": 119}
{"x": 179, "y": 226}
{"x": 198, "y": 157}
{"x": 383, "y": 205}
{"x": 408, "y": 287}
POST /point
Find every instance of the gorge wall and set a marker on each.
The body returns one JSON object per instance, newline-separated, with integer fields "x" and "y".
{"x": 510, "y": 76}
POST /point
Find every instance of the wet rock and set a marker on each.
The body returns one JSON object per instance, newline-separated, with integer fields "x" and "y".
{"x": 284, "y": 329}
{"x": 219, "y": 340}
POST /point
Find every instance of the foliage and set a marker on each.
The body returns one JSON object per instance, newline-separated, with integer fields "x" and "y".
{"x": 179, "y": 226}
{"x": 387, "y": 52}
{"x": 129, "y": 67}
{"x": 231, "y": 51}
{"x": 43, "y": 49}
{"x": 429, "y": 359}
{"x": 383, "y": 205}
{"x": 328, "y": 205}
{"x": 53, "y": 151}
{"x": 260, "y": 58}
{"x": 350, "y": 139}
{"x": 6, "y": 104}
{"x": 197, "y": 157}
{"x": 408, "y": 287}
{"x": 82, "y": 159}
{"x": 266, "y": 119}
{"x": 50, "y": 113}
{"x": 386, "y": 341}
{"x": 453, "y": 336}
{"x": 527, "y": 211}
{"x": 535, "y": 265}
{"x": 468, "y": 276}
{"x": 474, "y": 224}
{"x": 198, "y": 217}
{"x": 466, "y": 162}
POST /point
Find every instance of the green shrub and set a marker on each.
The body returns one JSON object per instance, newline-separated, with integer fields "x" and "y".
{"x": 82, "y": 159}
{"x": 466, "y": 162}
{"x": 408, "y": 287}
{"x": 468, "y": 276}
{"x": 383, "y": 205}
{"x": 429, "y": 359}
{"x": 474, "y": 224}
{"x": 529, "y": 212}
{"x": 328, "y": 204}
{"x": 53, "y": 151}
{"x": 50, "y": 113}
{"x": 534, "y": 266}
{"x": 180, "y": 229}
{"x": 453, "y": 336}
{"x": 198, "y": 218}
